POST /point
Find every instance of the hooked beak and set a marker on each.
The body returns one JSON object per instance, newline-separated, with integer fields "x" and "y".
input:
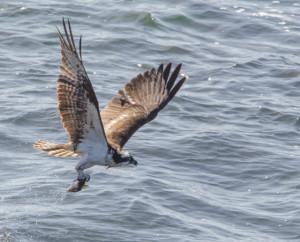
{"x": 134, "y": 162}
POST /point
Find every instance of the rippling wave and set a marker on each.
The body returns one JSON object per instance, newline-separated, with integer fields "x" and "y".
{"x": 220, "y": 162}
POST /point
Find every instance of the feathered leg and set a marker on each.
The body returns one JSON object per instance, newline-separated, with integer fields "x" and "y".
{"x": 79, "y": 183}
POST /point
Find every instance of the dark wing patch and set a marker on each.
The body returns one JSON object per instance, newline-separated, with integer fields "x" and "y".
{"x": 144, "y": 96}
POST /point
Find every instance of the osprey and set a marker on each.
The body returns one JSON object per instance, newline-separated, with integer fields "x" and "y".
{"x": 98, "y": 137}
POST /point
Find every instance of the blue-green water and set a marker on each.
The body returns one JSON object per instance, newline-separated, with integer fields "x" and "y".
{"x": 220, "y": 162}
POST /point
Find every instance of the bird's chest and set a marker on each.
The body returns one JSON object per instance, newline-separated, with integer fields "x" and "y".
{"x": 98, "y": 157}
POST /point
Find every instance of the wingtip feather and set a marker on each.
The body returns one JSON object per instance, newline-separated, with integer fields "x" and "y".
{"x": 167, "y": 71}
{"x": 173, "y": 77}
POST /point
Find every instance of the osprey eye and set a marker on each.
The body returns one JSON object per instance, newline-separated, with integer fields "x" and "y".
{"x": 98, "y": 137}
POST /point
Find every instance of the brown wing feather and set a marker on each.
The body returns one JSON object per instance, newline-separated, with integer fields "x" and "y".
{"x": 76, "y": 96}
{"x": 143, "y": 98}
{"x": 60, "y": 150}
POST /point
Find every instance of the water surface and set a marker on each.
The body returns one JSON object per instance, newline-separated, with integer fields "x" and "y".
{"x": 220, "y": 162}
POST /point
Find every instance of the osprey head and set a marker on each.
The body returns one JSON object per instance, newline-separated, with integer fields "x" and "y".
{"x": 123, "y": 157}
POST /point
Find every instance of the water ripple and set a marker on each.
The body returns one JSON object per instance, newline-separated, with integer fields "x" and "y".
{"x": 220, "y": 161}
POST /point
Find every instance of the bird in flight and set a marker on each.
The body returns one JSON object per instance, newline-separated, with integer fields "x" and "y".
{"x": 98, "y": 137}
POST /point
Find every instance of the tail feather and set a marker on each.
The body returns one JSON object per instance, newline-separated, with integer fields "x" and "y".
{"x": 60, "y": 150}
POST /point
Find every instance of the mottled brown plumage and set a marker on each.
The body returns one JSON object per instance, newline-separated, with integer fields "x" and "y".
{"x": 77, "y": 103}
{"x": 98, "y": 138}
{"x": 59, "y": 150}
{"x": 143, "y": 97}
{"x": 75, "y": 91}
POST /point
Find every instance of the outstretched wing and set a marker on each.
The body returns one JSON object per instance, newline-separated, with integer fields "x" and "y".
{"x": 78, "y": 105}
{"x": 143, "y": 98}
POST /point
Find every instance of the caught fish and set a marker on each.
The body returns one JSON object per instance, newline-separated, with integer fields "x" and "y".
{"x": 78, "y": 184}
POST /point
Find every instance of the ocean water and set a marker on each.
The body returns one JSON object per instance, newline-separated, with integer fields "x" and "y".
{"x": 220, "y": 163}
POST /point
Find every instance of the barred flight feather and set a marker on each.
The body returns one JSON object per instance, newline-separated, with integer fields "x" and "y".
{"x": 91, "y": 131}
{"x": 140, "y": 101}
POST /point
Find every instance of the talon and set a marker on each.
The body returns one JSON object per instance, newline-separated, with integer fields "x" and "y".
{"x": 83, "y": 177}
{"x": 79, "y": 178}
